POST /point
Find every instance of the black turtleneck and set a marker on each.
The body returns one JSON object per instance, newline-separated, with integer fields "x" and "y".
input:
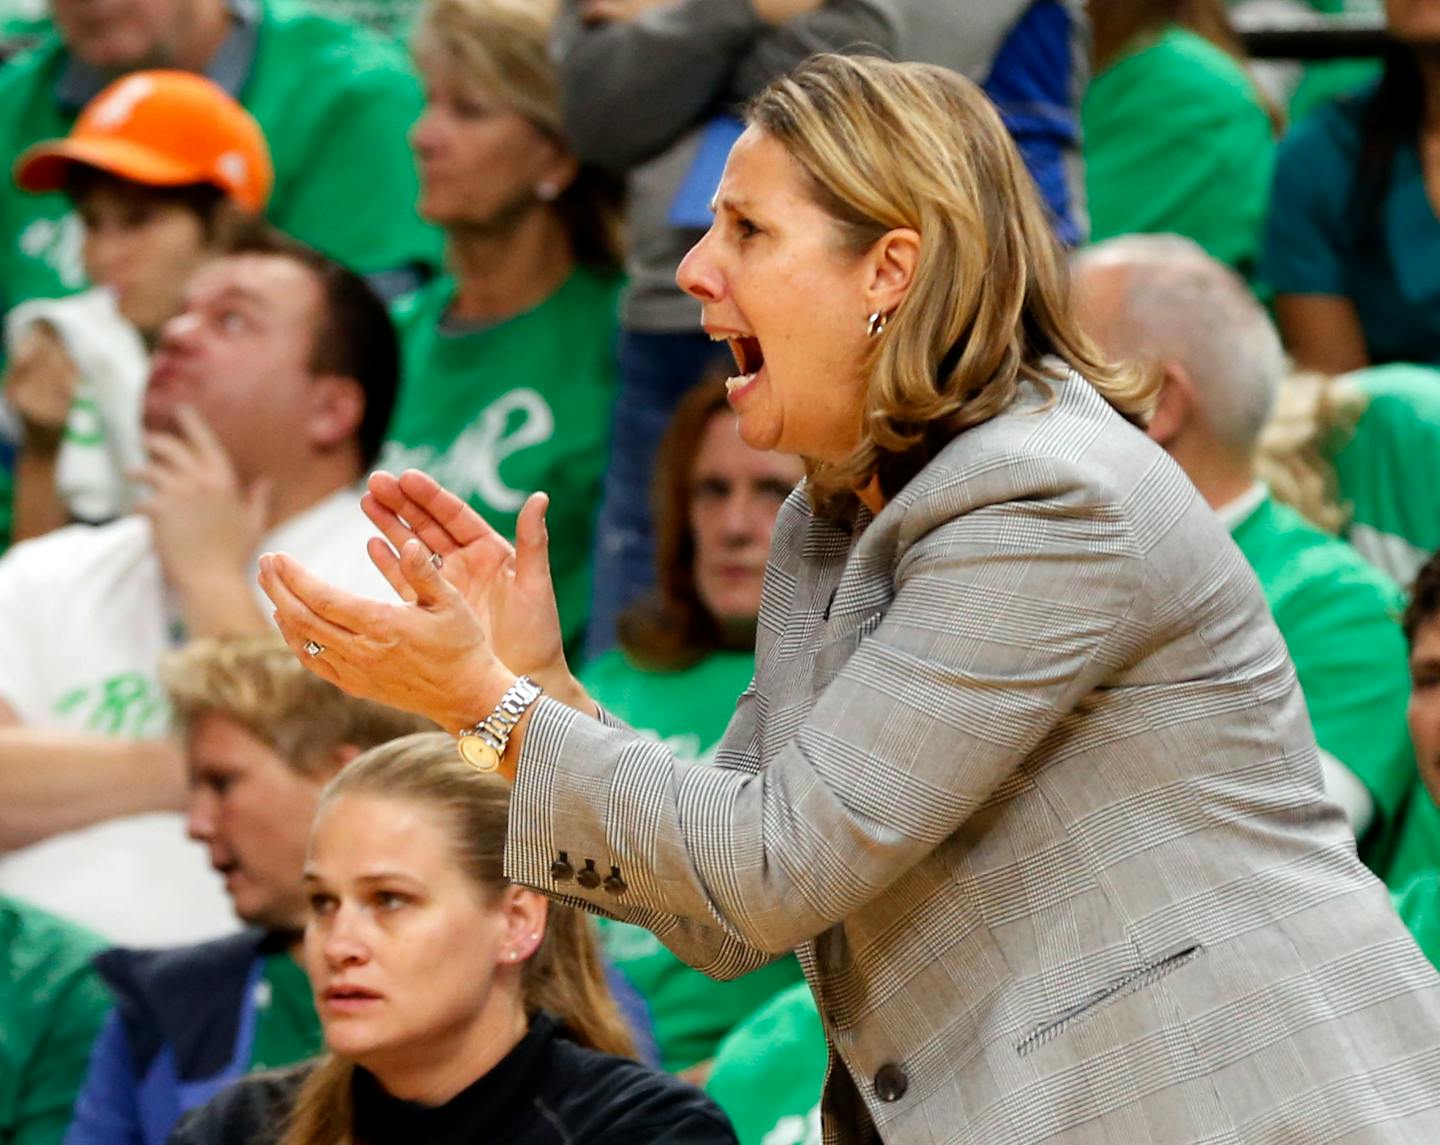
{"x": 545, "y": 1091}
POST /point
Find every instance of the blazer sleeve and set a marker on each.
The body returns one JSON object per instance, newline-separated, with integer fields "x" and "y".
{"x": 1002, "y": 620}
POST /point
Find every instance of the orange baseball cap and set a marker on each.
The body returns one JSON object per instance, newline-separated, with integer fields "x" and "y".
{"x": 163, "y": 129}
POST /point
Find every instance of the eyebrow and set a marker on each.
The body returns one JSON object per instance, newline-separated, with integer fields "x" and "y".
{"x": 717, "y": 204}
{"x": 374, "y": 877}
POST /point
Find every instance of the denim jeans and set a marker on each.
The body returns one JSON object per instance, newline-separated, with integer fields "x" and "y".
{"x": 655, "y": 372}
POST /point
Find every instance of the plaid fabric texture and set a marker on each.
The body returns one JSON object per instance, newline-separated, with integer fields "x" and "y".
{"x": 1026, "y": 777}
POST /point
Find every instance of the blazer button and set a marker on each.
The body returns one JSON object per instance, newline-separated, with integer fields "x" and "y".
{"x": 561, "y": 870}
{"x": 614, "y": 883}
{"x": 589, "y": 877}
{"x": 890, "y": 1082}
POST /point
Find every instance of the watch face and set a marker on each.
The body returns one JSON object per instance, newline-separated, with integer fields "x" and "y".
{"x": 478, "y": 754}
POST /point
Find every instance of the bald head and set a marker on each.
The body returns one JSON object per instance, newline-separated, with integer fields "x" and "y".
{"x": 1161, "y": 299}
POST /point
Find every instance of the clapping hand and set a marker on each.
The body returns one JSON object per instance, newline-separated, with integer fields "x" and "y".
{"x": 40, "y": 384}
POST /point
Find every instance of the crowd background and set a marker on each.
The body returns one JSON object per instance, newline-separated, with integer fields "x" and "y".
{"x": 517, "y": 180}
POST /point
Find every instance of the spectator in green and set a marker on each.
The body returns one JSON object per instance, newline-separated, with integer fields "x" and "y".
{"x": 1178, "y": 138}
{"x": 686, "y": 653}
{"x": 1352, "y": 247}
{"x": 770, "y": 1070}
{"x": 262, "y": 736}
{"x": 1418, "y": 899}
{"x": 51, "y": 1004}
{"x": 1356, "y": 454}
{"x": 509, "y": 371}
{"x": 1161, "y": 299}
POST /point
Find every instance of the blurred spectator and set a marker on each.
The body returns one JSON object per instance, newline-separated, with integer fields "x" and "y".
{"x": 334, "y": 101}
{"x": 1355, "y": 454}
{"x": 510, "y": 362}
{"x": 686, "y": 653}
{"x": 155, "y": 166}
{"x": 267, "y": 400}
{"x": 51, "y": 1005}
{"x": 262, "y": 736}
{"x": 649, "y": 88}
{"x": 1161, "y": 299}
{"x": 1418, "y": 898}
{"x": 1178, "y": 138}
{"x": 770, "y": 1070}
{"x": 456, "y": 1006}
{"x": 1352, "y": 249}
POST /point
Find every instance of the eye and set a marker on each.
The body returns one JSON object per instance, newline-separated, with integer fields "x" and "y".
{"x": 745, "y": 227}
{"x": 391, "y": 900}
{"x": 321, "y": 904}
{"x": 775, "y": 489}
{"x": 231, "y": 321}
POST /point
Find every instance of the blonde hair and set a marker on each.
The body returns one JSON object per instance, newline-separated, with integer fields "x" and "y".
{"x": 1314, "y": 414}
{"x": 257, "y": 682}
{"x": 886, "y": 146}
{"x": 564, "y": 977}
{"x": 502, "y": 48}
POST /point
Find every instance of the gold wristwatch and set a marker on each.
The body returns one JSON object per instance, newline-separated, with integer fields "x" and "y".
{"x": 483, "y": 745}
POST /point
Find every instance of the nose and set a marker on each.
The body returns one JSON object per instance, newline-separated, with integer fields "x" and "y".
{"x": 104, "y": 253}
{"x": 178, "y": 332}
{"x": 200, "y": 815}
{"x": 698, "y": 275}
{"x": 344, "y": 941}
{"x": 424, "y": 134}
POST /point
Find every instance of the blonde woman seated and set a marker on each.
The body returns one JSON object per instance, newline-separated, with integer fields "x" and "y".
{"x": 455, "y": 1005}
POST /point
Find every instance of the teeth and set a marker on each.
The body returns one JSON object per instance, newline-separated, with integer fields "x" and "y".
{"x": 733, "y": 384}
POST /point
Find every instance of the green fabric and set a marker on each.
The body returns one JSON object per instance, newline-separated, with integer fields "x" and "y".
{"x": 689, "y": 711}
{"x": 1340, "y": 621}
{"x": 1385, "y": 468}
{"x": 335, "y": 103}
{"x": 1418, "y": 905}
{"x": 51, "y": 1005}
{"x": 500, "y": 412}
{"x": 1177, "y": 141}
{"x": 1416, "y": 849}
{"x": 287, "y": 1029}
{"x": 770, "y": 1071}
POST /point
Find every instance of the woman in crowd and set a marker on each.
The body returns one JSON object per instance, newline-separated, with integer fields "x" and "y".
{"x": 1178, "y": 138}
{"x": 155, "y": 166}
{"x": 686, "y": 653}
{"x": 509, "y": 367}
{"x": 455, "y": 1005}
{"x": 1025, "y": 773}
{"x": 1352, "y": 246}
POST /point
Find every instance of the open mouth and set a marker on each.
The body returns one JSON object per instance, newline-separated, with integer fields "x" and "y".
{"x": 749, "y": 359}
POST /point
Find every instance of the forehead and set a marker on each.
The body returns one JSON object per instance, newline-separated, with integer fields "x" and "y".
{"x": 1426, "y": 643}
{"x": 215, "y": 738}
{"x": 760, "y": 171}
{"x": 274, "y": 282}
{"x": 358, "y": 833}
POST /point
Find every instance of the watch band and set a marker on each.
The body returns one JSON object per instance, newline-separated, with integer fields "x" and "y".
{"x": 494, "y": 730}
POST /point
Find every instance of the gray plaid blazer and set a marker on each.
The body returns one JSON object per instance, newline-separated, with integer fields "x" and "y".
{"x": 1026, "y": 777}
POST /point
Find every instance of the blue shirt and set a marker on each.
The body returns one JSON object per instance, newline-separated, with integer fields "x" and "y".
{"x": 1320, "y": 241}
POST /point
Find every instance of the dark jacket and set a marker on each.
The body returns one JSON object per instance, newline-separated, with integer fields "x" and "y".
{"x": 546, "y": 1091}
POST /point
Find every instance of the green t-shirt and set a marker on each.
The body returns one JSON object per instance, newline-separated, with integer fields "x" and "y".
{"x": 335, "y": 102}
{"x": 770, "y": 1071}
{"x": 1177, "y": 141}
{"x": 1418, "y": 905}
{"x": 51, "y": 1005}
{"x": 1340, "y": 619}
{"x": 497, "y": 413}
{"x": 287, "y": 1029}
{"x": 1385, "y": 468}
{"x": 689, "y": 711}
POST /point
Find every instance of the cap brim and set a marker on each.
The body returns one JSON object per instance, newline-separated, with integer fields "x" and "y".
{"x": 46, "y": 166}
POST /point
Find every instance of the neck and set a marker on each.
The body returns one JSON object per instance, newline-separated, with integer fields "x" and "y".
{"x": 204, "y": 28}
{"x": 506, "y": 271}
{"x": 309, "y": 484}
{"x": 871, "y": 497}
{"x": 1219, "y": 475}
{"x": 434, "y": 1071}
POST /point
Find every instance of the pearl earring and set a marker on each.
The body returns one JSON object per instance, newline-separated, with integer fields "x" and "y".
{"x": 876, "y": 323}
{"x": 547, "y": 192}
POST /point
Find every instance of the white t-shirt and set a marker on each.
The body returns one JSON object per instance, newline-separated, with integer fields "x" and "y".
{"x": 85, "y": 615}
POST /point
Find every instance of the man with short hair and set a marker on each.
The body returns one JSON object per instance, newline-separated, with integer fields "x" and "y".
{"x": 268, "y": 398}
{"x": 1162, "y": 301}
{"x": 262, "y": 737}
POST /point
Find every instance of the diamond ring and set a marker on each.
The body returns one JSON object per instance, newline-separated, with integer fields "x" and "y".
{"x": 436, "y": 559}
{"x": 313, "y": 647}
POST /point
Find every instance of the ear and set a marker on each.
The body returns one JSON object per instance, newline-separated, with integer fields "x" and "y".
{"x": 525, "y": 914}
{"x": 1176, "y": 408}
{"x": 559, "y": 172}
{"x": 890, "y": 269}
{"x": 335, "y": 759}
{"x": 337, "y": 406}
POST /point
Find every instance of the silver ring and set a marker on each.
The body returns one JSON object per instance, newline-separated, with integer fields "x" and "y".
{"x": 313, "y": 647}
{"x": 436, "y": 559}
